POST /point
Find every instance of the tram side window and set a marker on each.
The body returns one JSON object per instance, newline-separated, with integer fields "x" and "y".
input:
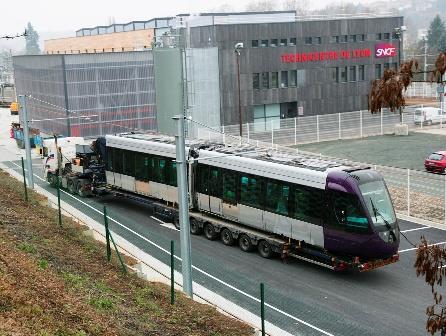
{"x": 110, "y": 165}
{"x": 128, "y": 163}
{"x": 277, "y": 196}
{"x": 215, "y": 185}
{"x": 251, "y": 191}
{"x": 172, "y": 173}
{"x": 117, "y": 160}
{"x": 347, "y": 212}
{"x": 158, "y": 170}
{"x": 142, "y": 167}
{"x": 202, "y": 179}
{"x": 307, "y": 204}
{"x": 230, "y": 186}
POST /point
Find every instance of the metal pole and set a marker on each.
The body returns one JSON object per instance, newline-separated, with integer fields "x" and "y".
{"x": 172, "y": 272}
{"x": 262, "y": 307}
{"x": 239, "y": 100}
{"x": 408, "y": 192}
{"x": 247, "y": 130}
{"x": 360, "y": 123}
{"x": 339, "y": 126}
{"x": 272, "y": 133}
{"x": 24, "y": 180}
{"x": 107, "y": 234}
{"x": 58, "y": 201}
{"x": 295, "y": 131}
{"x": 425, "y": 61}
{"x": 317, "y": 127}
{"x": 183, "y": 206}
{"x": 382, "y": 127}
{"x": 24, "y": 116}
{"x": 224, "y": 135}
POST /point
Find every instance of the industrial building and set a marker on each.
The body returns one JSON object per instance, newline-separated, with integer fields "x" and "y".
{"x": 253, "y": 67}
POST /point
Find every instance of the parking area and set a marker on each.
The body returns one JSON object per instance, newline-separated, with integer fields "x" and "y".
{"x": 387, "y": 150}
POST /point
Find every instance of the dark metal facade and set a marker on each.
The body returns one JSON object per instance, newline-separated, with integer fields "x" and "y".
{"x": 319, "y": 87}
{"x": 115, "y": 90}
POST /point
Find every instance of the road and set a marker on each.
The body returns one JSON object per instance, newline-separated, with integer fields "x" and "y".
{"x": 387, "y": 301}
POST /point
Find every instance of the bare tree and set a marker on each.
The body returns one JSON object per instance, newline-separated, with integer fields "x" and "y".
{"x": 387, "y": 92}
{"x": 261, "y": 6}
{"x": 430, "y": 262}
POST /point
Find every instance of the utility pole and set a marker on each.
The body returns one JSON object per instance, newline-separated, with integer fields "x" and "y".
{"x": 237, "y": 49}
{"x": 425, "y": 58}
{"x": 24, "y": 117}
{"x": 183, "y": 206}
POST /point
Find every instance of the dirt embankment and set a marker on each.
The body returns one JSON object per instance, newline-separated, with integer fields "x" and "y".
{"x": 56, "y": 281}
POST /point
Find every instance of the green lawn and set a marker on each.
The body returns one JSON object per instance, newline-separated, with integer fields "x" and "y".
{"x": 404, "y": 152}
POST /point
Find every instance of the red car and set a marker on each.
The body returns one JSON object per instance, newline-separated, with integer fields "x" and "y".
{"x": 436, "y": 162}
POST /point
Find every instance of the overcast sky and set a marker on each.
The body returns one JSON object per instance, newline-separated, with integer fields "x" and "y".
{"x": 70, "y": 15}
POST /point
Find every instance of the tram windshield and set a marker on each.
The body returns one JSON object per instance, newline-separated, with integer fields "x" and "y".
{"x": 378, "y": 203}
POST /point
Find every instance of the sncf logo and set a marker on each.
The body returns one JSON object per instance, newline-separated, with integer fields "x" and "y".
{"x": 385, "y": 50}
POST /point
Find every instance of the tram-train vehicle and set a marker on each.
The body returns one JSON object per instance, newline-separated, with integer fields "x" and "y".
{"x": 330, "y": 214}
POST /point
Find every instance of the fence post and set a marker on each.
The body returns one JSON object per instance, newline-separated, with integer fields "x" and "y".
{"x": 58, "y": 201}
{"x": 317, "y": 127}
{"x": 382, "y": 127}
{"x": 107, "y": 234}
{"x": 247, "y": 130}
{"x": 172, "y": 272}
{"x": 339, "y": 127}
{"x": 408, "y": 192}
{"x": 272, "y": 133}
{"x": 24, "y": 180}
{"x": 224, "y": 135}
{"x": 262, "y": 307}
{"x": 360, "y": 123}
{"x": 295, "y": 131}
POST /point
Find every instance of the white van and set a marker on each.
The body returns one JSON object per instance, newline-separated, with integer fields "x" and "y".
{"x": 429, "y": 116}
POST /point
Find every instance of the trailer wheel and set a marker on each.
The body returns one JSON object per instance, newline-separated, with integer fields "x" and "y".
{"x": 265, "y": 249}
{"x": 52, "y": 180}
{"x": 226, "y": 237}
{"x": 70, "y": 186}
{"x": 245, "y": 243}
{"x": 195, "y": 228}
{"x": 80, "y": 189}
{"x": 209, "y": 231}
{"x": 176, "y": 222}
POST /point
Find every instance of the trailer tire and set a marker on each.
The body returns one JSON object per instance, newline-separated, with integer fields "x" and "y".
{"x": 195, "y": 228}
{"x": 265, "y": 249}
{"x": 176, "y": 222}
{"x": 71, "y": 187}
{"x": 226, "y": 237}
{"x": 52, "y": 180}
{"x": 245, "y": 243}
{"x": 80, "y": 189}
{"x": 209, "y": 231}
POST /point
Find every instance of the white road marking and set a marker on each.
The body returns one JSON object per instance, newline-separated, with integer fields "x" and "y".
{"x": 164, "y": 224}
{"x": 420, "y": 228}
{"x": 414, "y": 248}
{"x": 196, "y": 268}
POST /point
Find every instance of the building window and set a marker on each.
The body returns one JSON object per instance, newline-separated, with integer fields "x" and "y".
{"x": 334, "y": 39}
{"x": 274, "y": 80}
{"x": 343, "y": 75}
{"x": 256, "y": 81}
{"x": 352, "y": 38}
{"x": 317, "y": 40}
{"x": 395, "y": 66}
{"x": 343, "y": 38}
{"x": 360, "y": 37}
{"x": 352, "y": 73}
{"x": 379, "y": 36}
{"x": 292, "y": 41}
{"x": 255, "y": 43}
{"x": 386, "y": 36}
{"x": 361, "y": 72}
{"x": 334, "y": 74}
{"x": 293, "y": 78}
{"x": 274, "y": 42}
{"x": 378, "y": 71}
{"x": 308, "y": 40}
{"x": 284, "y": 79}
{"x": 265, "y": 80}
{"x": 386, "y": 66}
{"x": 283, "y": 42}
{"x": 264, "y": 43}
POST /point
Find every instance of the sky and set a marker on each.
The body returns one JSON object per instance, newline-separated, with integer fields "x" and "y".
{"x": 69, "y": 15}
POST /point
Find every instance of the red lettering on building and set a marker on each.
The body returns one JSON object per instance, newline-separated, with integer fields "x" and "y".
{"x": 332, "y": 55}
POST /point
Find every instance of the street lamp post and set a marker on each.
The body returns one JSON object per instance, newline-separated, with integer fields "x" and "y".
{"x": 399, "y": 33}
{"x": 24, "y": 117}
{"x": 237, "y": 49}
